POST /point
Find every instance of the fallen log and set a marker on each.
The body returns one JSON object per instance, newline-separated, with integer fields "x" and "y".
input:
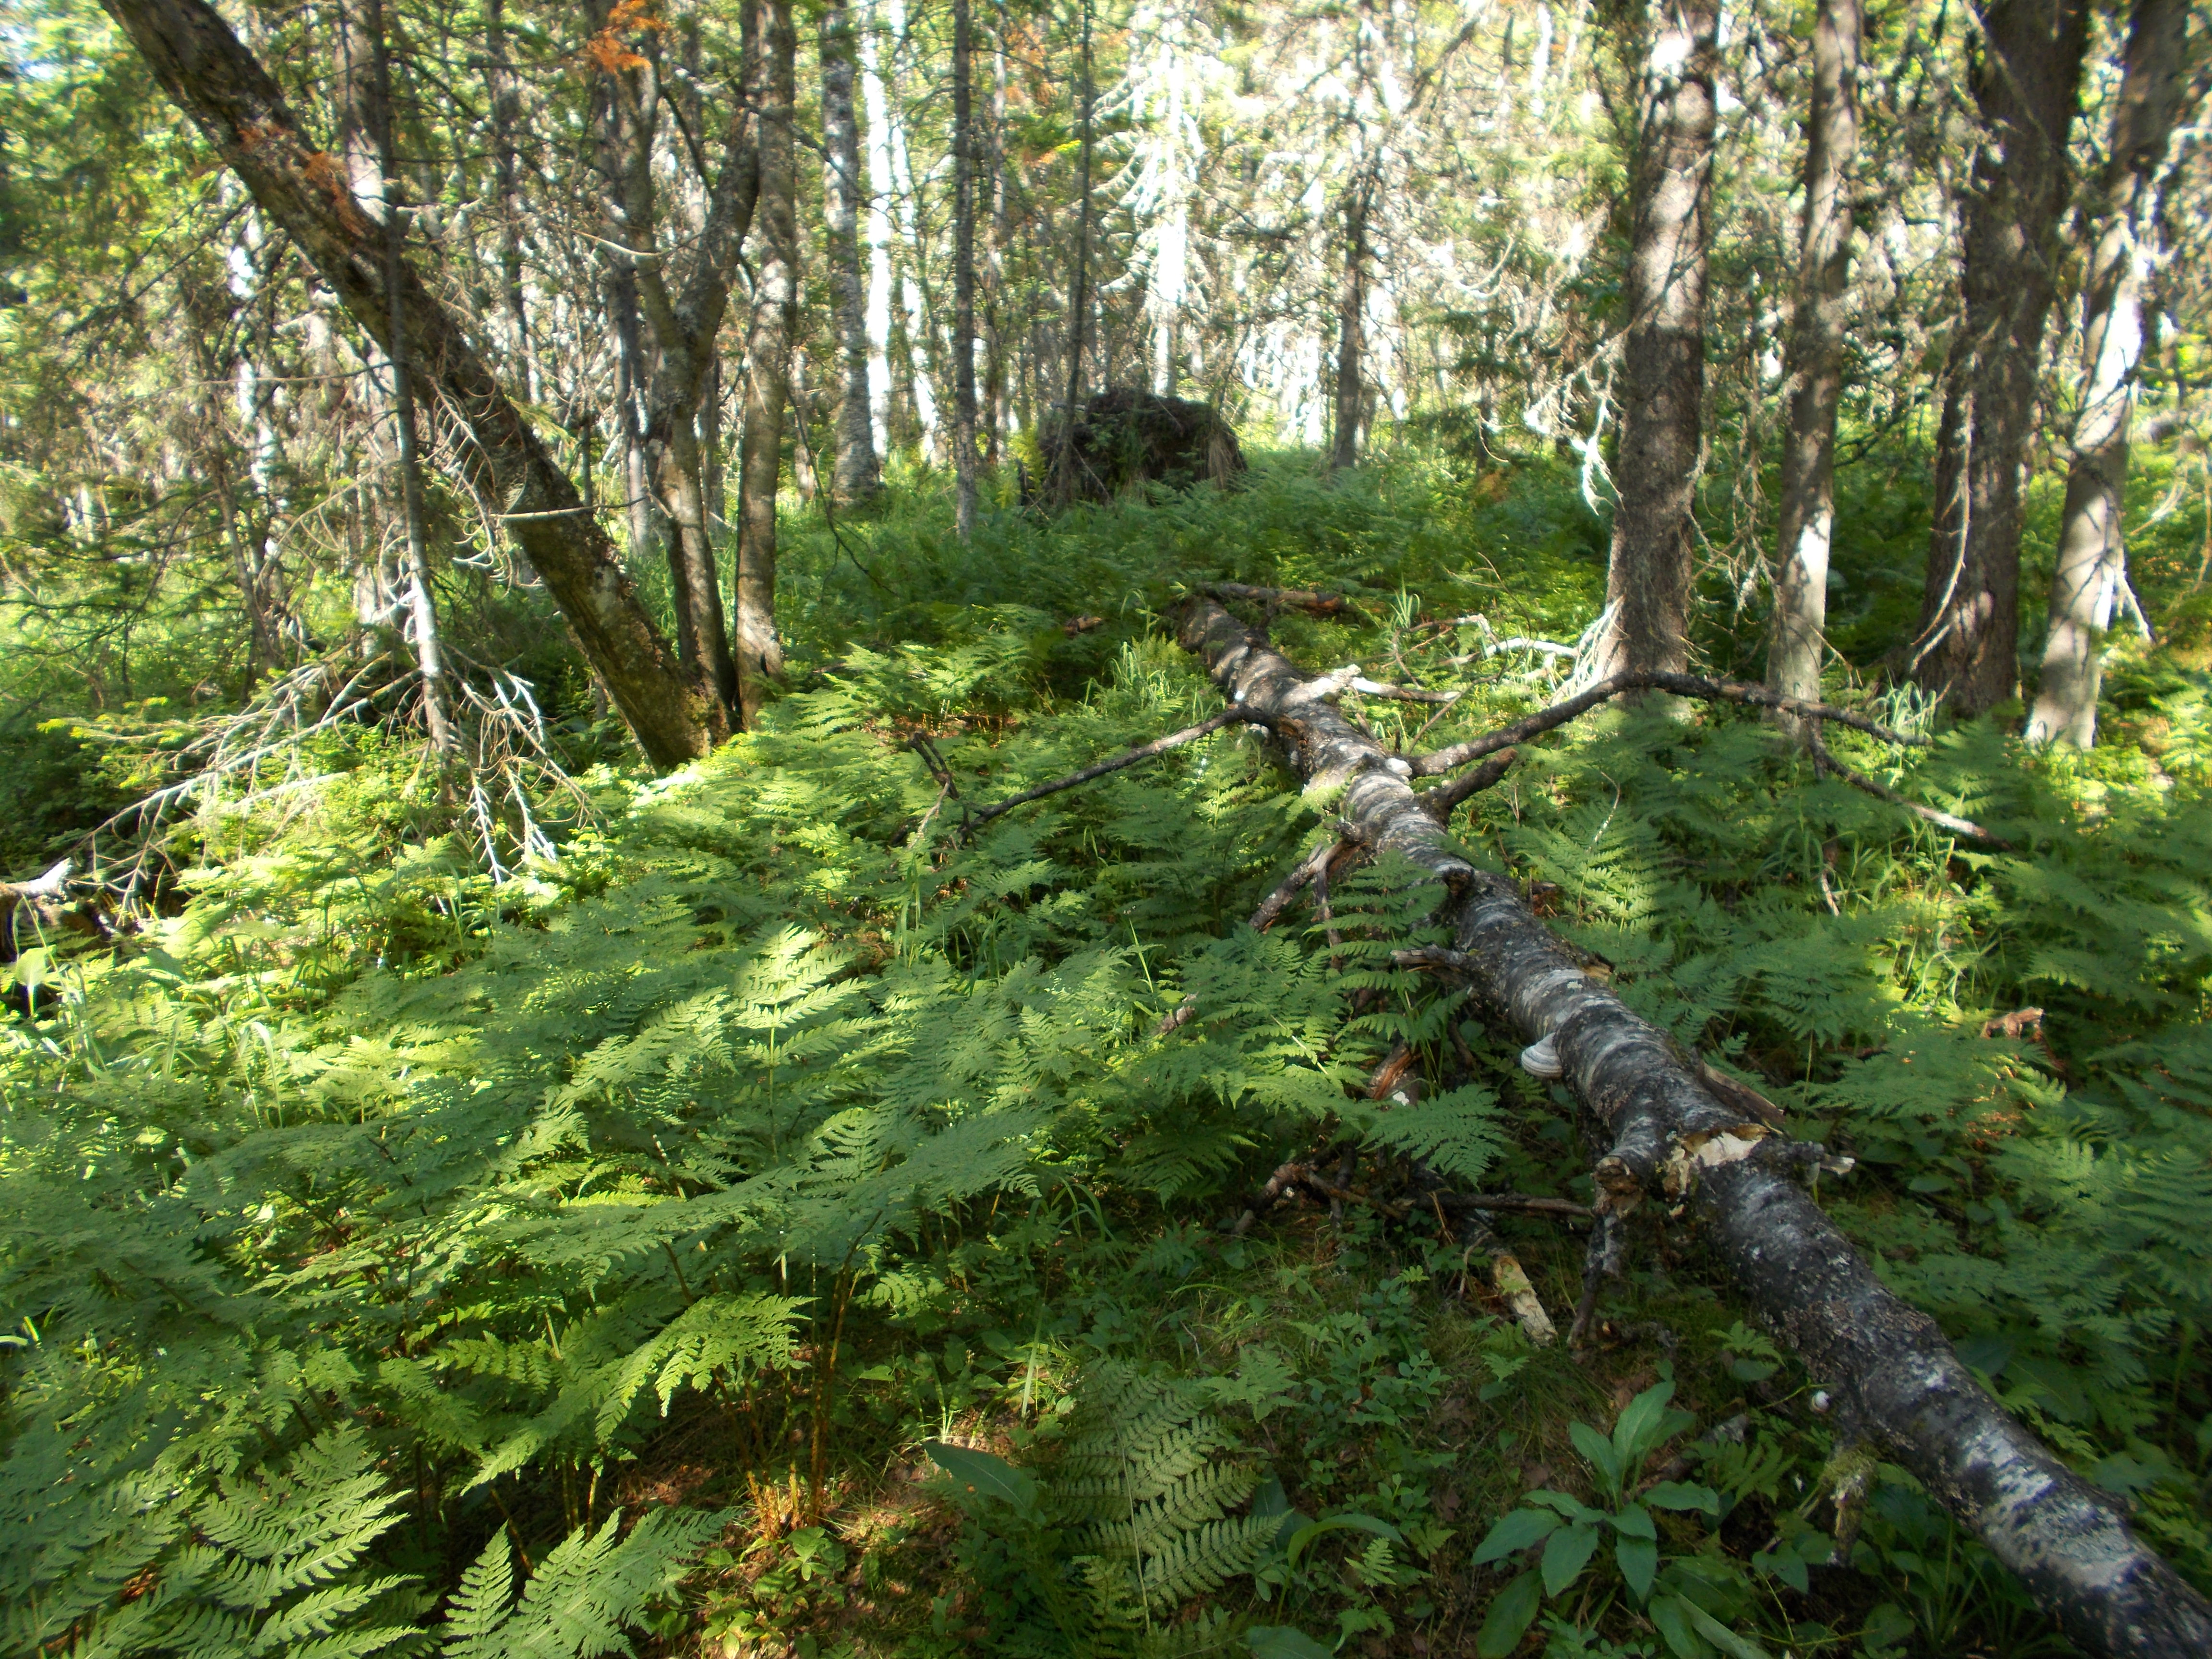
{"x": 1887, "y": 1371}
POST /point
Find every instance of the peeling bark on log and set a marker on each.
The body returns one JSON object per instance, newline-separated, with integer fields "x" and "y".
{"x": 1892, "y": 1377}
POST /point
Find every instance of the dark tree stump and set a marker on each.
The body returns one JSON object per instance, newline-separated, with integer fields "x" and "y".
{"x": 1124, "y": 439}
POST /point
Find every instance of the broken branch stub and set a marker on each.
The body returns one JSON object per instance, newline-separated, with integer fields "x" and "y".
{"x": 1890, "y": 1375}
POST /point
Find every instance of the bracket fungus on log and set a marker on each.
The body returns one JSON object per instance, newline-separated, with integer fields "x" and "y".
{"x": 1889, "y": 1374}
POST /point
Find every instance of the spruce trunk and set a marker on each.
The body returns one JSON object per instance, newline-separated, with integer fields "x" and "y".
{"x": 1351, "y": 328}
{"x": 2025, "y": 76}
{"x": 1662, "y": 377}
{"x": 768, "y": 369}
{"x": 1890, "y": 1377}
{"x": 1815, "y": 366}
{"x": 2092, "y": 551}
{"x": 210, "y": 76}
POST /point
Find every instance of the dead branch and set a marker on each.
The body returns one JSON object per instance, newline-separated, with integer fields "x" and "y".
{"x": 1281, "y": 599}
{"x": 1143, "y": 751}
{"x": 1826, "y": 761}
{"x": 1890, "y": 1375}
{"x": 1441, "y": 803}
{"x": 1440, "y": 761}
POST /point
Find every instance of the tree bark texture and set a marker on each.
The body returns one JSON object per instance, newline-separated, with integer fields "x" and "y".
{"x": 767, "y": 366}
{"x": 963, "y": 268}
{"x": 683, "y": 319}
{"x": 1813, "y": 366}
{"x": 858, "y": 476}
{"x": 1066, "y": 485}
{"x": 1892, "y": 1378}
{"x": 2026, "y": 70}
{"x": 1662, "y": 380}
{"x": 1352, "y": 326}
{"x": 2092, "y": 551}
{"x": 211, "y": 76}
{"x": 506, "y": 115}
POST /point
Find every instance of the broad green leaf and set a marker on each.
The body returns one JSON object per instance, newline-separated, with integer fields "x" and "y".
{"x": 984, "y": 1474}
{"x": 1566, "y": 1552}
{"x": 1742, "y": 1647}
{"x": 1283, "y": 1642}
{"x": 1639, "y": 1563}
{"x": 1603, "y": 1456}
{"x": 1638, "y": 1419}
{"x": 1634, "y": 1521}
{"x": 1514, "y": 1532}
{"x": 1670, "y": 1615}
{"x": 1676, "y": 1495}
{"x": 1510, "y": 1617}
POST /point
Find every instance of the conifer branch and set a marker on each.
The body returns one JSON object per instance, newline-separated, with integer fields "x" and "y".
{"x": 1440, "y": 761}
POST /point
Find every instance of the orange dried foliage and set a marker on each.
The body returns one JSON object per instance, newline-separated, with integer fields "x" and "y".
{"x": 606, "y": 50}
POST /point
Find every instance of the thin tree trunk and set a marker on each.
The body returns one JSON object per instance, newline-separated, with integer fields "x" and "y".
{"x": 1078, "y": 302}
{"x": 857, "y": 478}
{"x": 2092, "y": 551}
{"x": 994, "y": 281}
{"x": 1351, "y": 327}
{"x": 210, "y": 76}
{"x": 500, "y": 90}
{"x": 365, "y": 98}
{"x": 2025, "y": 72}
{"x": 1662, "y": 380}
{"x": 882, "y": 386}
{"x": 963, "y": 269}
{"x": 1891, "y": 1378}
{"x": 1814, "y": 359}
{"x": 683, "y": 321}
{"x": 767, "y": 371}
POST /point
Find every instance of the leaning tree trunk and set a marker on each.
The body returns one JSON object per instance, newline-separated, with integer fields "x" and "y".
{"x": 2025, "y": 76}
{"x": 2091, "y": 552}
{"x": 1814, "y": 369}
{"x": 1892, "y": 1379}
{"x": 857, "y": 478}
{"x": 767, "y": 370}
{"x": 1662, "y": 380}
{"x": 211, "y": 76}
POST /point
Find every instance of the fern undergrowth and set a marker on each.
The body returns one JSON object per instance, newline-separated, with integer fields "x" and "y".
{"x": 403, "y": 1258}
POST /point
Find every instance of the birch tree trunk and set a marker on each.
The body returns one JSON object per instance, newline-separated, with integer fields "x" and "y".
{"x": 768, "y": 367}
{"x": 2092, "y": 551}
{"x": 963, "y": 269}
{"x": 1890, "y": 1378}
{"x": 2025, "y": 73}
{"x": 1814, "y": 360}
{"x": 1662, "y": 381}
{"x": 857, "y": 476}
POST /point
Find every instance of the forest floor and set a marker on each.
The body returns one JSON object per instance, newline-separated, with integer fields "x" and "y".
{"x": 777, "y": 1154}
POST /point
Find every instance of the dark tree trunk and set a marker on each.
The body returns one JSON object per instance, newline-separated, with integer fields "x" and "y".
{"x": 858, "y": 477}
{"x": 963, "y": 268}
{"x": 1662, "y": 379}
{"x": 368, "y": 141}
{"x": 2092, "y": 551}
{"x": 1890, "y": 1377}
{"x": 500, "y": 88}
{"x": 768, "y": 369}
{"x": 1814, "y": 362}
{"x": 2027, "y": 72}
{"x": 1068, "y": 485}
{"x": 683, "y": 321}
{"x": 213, "y": 78}
{"x": 1351, "y": 327}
